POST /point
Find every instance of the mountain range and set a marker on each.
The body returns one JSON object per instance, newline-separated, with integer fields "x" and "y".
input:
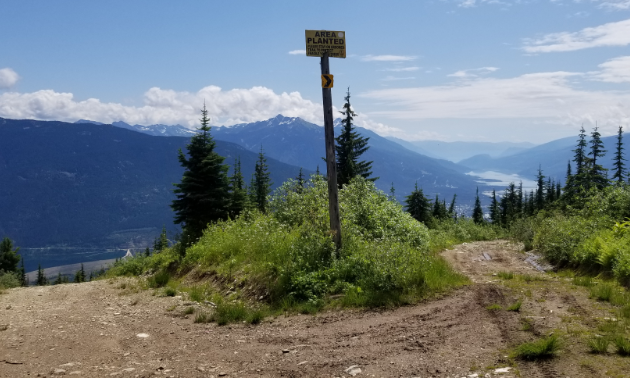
{"x": 98, "y": 188}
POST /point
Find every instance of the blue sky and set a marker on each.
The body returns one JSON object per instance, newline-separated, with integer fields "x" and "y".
{"x": 473, "y": 70}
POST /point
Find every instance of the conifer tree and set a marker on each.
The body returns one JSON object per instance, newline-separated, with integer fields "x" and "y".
{"x": 147, "y": 252}
{"x": 618, "y": 160}
{"x": 300, "y": 182}
{"x": 349, "y": 148}
{"x": 9, "y": 257}
{"x": 597, "y": 175}
{"x": 580, "y": 152}
{"x": 79, "y": 276}
{"x": 477, "y": 211}
{"x": 494, "y": 209}
{"x": 540, "y": 190}
{"x": 160, "y": 243}
{"x": 451, "y": 208}
{"x": 202, "y": 195}
{"x": 23, "y": 276}
{"x": 418, "y": 205}
{"x": 392, "y": 193}
{"x": 41, "y": 277}
{"x": 238, "y": 194}
{"x": 262, "y": 182}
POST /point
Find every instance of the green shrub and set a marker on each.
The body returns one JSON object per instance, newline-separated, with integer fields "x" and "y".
{"x": 515, "y": 307}
{"x": 255, "y": 317}
{"x": 189, "y": 310}
{"x": 226, "y": 313}
{"x": 159, "y": 279}
{"x": 202, "y": 317}
{"x": 598, "y": 344}
{"x": 9, "y": 280}
{"x": 558, "y": 236}
{"x": 543, "y": 348}
{"x": 523, "y": 230}
{"x": 505, "y": 275}
{"x": 623, "y": 345}
{"x": 170, "y": 292}
{"x": 603, "y": 292}
{"x": 494, "y": 307}
{"x": 585, "y": 281}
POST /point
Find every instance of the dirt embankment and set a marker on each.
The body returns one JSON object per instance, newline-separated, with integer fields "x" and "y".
{"x": 91, "y": 330}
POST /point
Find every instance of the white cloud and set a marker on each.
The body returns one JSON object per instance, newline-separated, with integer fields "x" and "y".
{"x": 402, "y": 69}
{"x": 8, "y": 78}
{"x": 474, "y": 72}
{"x": 614, "y": 71}
{"x": 396, "y": 78}
{"x": 611, "y": 34}
{"x": 297, "y": 52}
{"x": 387, "y": 58}
{"x": 551, "y": 96}
{"x": 615, "y": 4}
{"x": 164, "y": 106}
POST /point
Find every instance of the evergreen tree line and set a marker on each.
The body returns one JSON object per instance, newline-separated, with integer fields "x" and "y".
{"x": 206, "y": 194}
{"x": 589, "y": 175}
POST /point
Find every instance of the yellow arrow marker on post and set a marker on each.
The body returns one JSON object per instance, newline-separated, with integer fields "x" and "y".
{"x": 327, "y": 81}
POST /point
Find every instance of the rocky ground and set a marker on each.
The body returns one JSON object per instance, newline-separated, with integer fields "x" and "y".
{"x": 104, "y": 328}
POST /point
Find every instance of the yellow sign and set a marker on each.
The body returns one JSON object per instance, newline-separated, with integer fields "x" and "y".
{"x": 320, "y": 41}
{"x": 327, "y": 81}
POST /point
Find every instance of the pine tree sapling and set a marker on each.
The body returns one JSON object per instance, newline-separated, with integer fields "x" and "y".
{"x": 238, "y": 192}
{"x": 418, "y": 205}
{"x": 9, "y": 257}
{"x": 618, "y": 161}
{"x": 203, "y": 193}
{"x": 477, "y": 211}
{"x": 350, "y": 146}
{"x": 262, "y": 182}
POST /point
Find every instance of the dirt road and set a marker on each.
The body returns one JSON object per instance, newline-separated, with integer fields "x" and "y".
{"x": 91, "y": 330}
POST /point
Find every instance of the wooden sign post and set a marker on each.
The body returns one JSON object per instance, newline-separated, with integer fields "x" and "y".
{"x": 325, "y": 44}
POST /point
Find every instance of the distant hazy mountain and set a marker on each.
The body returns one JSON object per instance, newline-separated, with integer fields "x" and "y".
{"x": 457, "y": 151}
{"x": 295, "y": 141}
{"x": 552, "y": 157}
{"x": 155, "y": 130}
{"x": 93, "y": 185}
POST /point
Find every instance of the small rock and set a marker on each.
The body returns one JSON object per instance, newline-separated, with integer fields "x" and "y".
{"x": 8, "y": 307}
{"x": 502, "y": 370}
{"x": 201, "y": 368}
{"x": 302, "y": 363}
{"x": 76, "y": 372}
{"x": 128, "y": 370}
{"x": 353, "y": 370}
{"x": 142, "y": 335}
{"x": 4, "y": 327}
{"x": 222, "y": 374}
{"x": 285, "y": 351}
{"x": 69, "y": 364}
{"x": 59, "y": 372}
{"x": 126, "y": 354}
{"x": 472, "y": 375}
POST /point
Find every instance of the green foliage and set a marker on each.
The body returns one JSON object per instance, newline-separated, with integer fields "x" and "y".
{"x": 41, "y": 277}
{"x": 80, "y": 275}
{"x": 540, "y": 349}
{"x": 585, "y": 281}
{"x": 9, "y": 257}
{"x": 516, "y": 307}
{"x": 558, "y": 236}
{"x": 226, "y": 313}
{"x": 261, "y": 184}
{"x": 202, "y": 317}
{"x": 494, "y": 307}
{"x": 505, "y": 275}
{"x": 202, "y": 195}
{"x": 418, "y": 205}
{"x": 9, "y": 280}
{"x": 477, "y": 211}
{"x": 159, "y": 279}
{"x": 349, "y": 147}
{"x": 170, "y": 292}
{"x": 598, "y": 344}
{"x": 238, "y": 192}
{"x": 623, "y": 345}
{"x": 189, "y": 311}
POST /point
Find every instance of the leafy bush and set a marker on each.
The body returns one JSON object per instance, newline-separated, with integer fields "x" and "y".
{"x": 623, "y": 345}
{"x": 516, "y": 307}
{"x": 559, "y": 236}
{"x": 9, "y": 280}
{"x": 159, "y": 279}
{"x": 598, "y": 344}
